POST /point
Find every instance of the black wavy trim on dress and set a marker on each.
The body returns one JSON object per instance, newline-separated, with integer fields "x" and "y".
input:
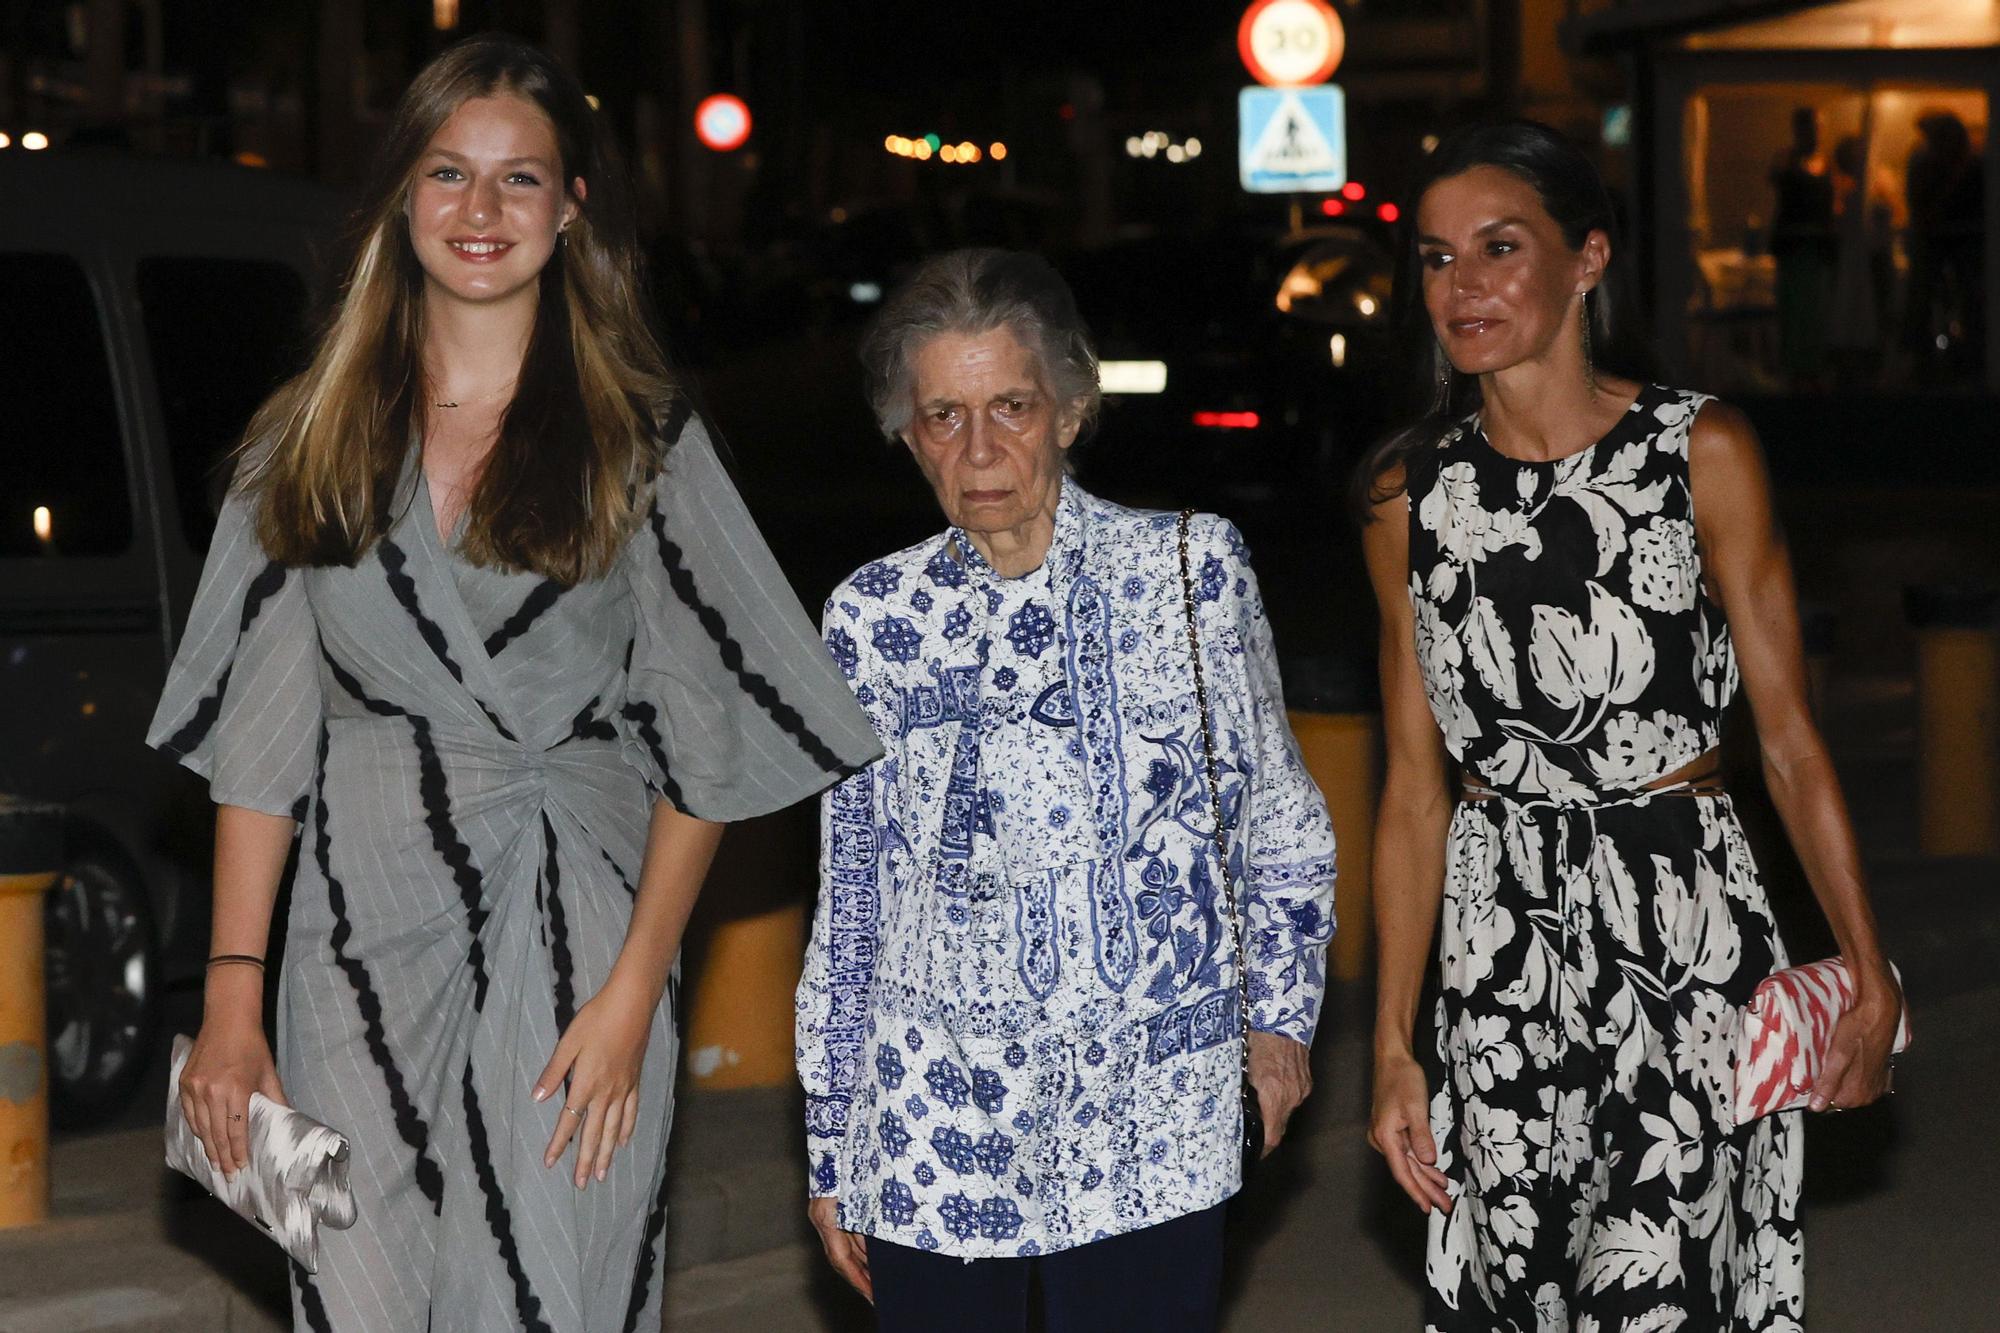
{"x": 558, "y": 924}
{"x": 623, "y": 883}
{"x": 374, "y": 1034}
{"x": 586, "y": 727}
{"x": 310, "y": 1302}
{"x": 527, "y": 1305}
{"x": 435, "y": 792}
{"x": 646, "y": 718}
{"x": 532, "y": 606}
{"x": 649, "y": 1241}
{"x": 396, "y": 565}
{"x": 788, "y": 718}
{"x": 195, "y": 730}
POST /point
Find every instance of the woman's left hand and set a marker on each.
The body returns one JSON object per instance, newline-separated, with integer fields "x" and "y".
{"x": 1281, "y": 1071}
{"x": 1857, "y": 1068}
{"x": 599, "y": 1056}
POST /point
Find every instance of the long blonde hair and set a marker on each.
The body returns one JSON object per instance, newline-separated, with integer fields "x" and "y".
{"x": 560, "y": 490}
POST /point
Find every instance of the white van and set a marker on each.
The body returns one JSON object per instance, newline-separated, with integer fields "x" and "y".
{"x": 146, "y": 308}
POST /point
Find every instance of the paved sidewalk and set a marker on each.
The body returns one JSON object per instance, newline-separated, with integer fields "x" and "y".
{"x": 1901, "y": 1233}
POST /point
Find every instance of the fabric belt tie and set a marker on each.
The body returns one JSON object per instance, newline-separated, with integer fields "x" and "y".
{"x": 1565, "y": 819}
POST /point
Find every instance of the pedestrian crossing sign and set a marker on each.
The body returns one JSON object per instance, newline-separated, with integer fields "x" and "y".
{"x": 1291, "y": 140}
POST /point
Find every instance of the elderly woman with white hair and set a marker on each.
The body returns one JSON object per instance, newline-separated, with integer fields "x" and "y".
{"x": 1090, "y": 852}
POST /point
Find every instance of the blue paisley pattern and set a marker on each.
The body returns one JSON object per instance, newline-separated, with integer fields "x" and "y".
{"x": 1018, "y": 1021}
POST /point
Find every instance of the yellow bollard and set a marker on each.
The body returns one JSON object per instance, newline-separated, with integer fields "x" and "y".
{"x": 1958, "y": 678}
{"x": 30, "y": 861}
{"x": 1343, "y": 752}
{"x": 740, "y": 1013}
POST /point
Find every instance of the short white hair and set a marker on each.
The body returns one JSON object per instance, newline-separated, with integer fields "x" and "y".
{"x": 973, "y": 292}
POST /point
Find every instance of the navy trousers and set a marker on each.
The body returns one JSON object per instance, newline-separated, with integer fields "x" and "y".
{"x": 1160, "y": 1278}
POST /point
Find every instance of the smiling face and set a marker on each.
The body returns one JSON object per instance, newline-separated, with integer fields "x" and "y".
{"x": 1501, "y": 283}
{"x": 988, "y": 436}
{"x": 488, "y": 204}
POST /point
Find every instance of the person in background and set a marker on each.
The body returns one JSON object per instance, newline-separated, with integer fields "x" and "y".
{"x": 1021, "y": 1021}
{"x": 486, "y": 627}
{"x": 1573, "y": 566}
{"x": 1864, "y": 230}
{"x": 1802, "y": 242}
{"x": 1945, "y": 320}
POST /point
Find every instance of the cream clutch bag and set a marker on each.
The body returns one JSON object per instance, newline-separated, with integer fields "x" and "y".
{"x": 297, "y": 1177}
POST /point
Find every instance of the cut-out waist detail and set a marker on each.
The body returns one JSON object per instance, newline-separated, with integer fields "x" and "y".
{"x": 1700, "y": 777}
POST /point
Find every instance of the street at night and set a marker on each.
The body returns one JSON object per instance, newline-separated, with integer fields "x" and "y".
{"x": 1276, "y": 222}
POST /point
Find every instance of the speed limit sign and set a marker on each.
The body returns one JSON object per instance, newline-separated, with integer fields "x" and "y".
{"x": 1291, "y": 43}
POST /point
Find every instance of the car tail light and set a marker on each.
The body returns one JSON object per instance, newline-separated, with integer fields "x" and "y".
{"x": 1227, "y": 420}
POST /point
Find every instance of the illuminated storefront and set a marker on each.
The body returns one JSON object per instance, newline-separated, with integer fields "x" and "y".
{"x": 1822, "y": 185}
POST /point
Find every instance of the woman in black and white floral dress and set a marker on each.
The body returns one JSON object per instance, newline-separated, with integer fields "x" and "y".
{"x": 1571, "y": 565}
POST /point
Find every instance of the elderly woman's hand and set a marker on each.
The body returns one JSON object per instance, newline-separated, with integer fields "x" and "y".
{"x": 847, "y": 1251}
{"x": 1281, "y": 1071}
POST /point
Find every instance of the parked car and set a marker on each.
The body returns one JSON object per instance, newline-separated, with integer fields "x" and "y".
{"x": 149, "y": 306}
{"x": 1240, "y": 368}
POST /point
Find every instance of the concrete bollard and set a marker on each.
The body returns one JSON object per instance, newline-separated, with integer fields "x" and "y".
{"x": 1958, "y": 679}
{"x": 740, "y": 1015}
{"x": 1336, "y": 716}
{"x": 30, "y": 864}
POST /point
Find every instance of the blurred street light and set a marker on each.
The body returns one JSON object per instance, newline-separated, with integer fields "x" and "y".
{"x": 1156, "y": 143}
{"x": 34, "y": 141}
{"x": 998, "y": 152}
{"x": 444, "y": 15}
{"x": 5, "y": 140}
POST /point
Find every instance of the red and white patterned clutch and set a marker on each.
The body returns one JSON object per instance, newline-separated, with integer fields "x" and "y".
{"x": 1786, "y": 1028}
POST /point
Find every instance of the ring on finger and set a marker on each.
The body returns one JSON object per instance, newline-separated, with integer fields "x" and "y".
{"x": 573, "y": 1111}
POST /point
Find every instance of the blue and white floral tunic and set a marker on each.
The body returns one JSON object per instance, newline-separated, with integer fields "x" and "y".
{"x": 1018, "y": 1024}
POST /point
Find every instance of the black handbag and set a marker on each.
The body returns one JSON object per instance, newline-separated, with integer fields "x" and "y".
{"x": 1253, "y": 1111}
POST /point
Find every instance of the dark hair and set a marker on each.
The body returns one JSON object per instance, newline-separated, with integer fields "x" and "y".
{"x": 977, "y": 291}
{"x": 1574, "y": 195}
{"x": 558, "y": 494}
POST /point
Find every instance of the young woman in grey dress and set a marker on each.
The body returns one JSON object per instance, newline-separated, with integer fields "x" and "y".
{"x": 486, "y": 624}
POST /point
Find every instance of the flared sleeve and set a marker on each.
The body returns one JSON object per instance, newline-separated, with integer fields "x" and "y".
{"x": 733, "y": 707}
{"x": 242, "y": 702}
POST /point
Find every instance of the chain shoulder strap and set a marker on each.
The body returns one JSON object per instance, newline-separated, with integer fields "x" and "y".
{"x": 1228, "y": 890}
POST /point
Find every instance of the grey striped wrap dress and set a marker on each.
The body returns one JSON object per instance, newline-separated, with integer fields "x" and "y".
{"x": 473, "y": 756}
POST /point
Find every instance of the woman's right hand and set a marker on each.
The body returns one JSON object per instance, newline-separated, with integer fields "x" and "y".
{"x": 847, "y": 1251}
{"x": 228, "y": 1063}
{"x": 1400, "y": 1129}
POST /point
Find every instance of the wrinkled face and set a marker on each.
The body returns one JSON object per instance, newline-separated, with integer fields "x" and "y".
{"x": 488, "y": 202}
{"x": 1501, "y": 284}
{"x": 986, "y": 433}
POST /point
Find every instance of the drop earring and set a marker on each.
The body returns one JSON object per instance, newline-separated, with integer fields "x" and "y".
{"x": 1443, "y": 364}
{"x": 1589, "y": 363}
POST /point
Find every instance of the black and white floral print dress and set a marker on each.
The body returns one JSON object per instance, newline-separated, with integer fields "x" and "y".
{"x": 1596, "y": 940}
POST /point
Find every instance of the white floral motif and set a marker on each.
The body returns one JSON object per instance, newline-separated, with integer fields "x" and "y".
{"x": 1677, "y": 1149}
{"x": 1705, "y": 1049}
{"x": 1494, "y": 1149}
{"x": 1608, "y": 659}
{"x": 1633, "y": 1251}
{"x": 1638, "y": 748}
{"x": 1663, "y": 564}
{"x": 1483, "y": 1055}
{"x": 1591, "y": 935}
{"x": 1609, "y": 495}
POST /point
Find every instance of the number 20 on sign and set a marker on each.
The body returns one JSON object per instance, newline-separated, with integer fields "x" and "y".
{"x": 1291, "y": 43}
